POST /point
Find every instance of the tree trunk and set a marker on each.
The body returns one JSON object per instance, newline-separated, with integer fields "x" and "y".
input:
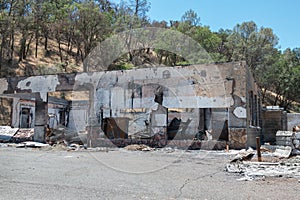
{"x": 60, "y": 51}
{"x": 70, "y": 45}
{"x": 28, "y": 47}
{"x": 130, "y": 56}
{"x": 136, "y": 12}
{"x": 78, "y": 51}
{"x": 263, "y": 95}
{"x": 276, "y": 99}
{"x": 36, "y": 44}
{"x": 1, "y": 52}
{"x": 22, "y": 49}
{"x": 46, "y": 43}
{"x": 78, "y": 54}
{"x": 81, "y": 55}
{"x": 12, "y": 45}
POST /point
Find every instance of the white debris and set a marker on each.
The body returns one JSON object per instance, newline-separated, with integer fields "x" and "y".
{"x": 283, "y": 152}
{"x": 32, "y": 144}
{"x": 6, "y": 133}
{"x": 259, "y": 170}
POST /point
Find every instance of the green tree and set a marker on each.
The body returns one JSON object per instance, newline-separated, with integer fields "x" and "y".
{"x": 7, "y": 31}
{"x": 254, "y": 45}
{"x": 140, "y": 8}
{"x": 287, "y": 83}
{"x": 131, "y": 15}
{"x": 92, "y": 24}
{"x": 191, "y": 18}
{"x": 25, "y": 24}
{"x": 223, "y": 50}
{"x": 282, "y": 78}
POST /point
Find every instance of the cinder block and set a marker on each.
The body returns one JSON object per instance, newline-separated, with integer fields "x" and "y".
{"x": 283, "y": 143}
{"x": 283, "y": 138}
{"x": 297, "y": 135}
{"x": 284, "y": 133}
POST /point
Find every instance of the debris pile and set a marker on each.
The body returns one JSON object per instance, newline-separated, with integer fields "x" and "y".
{"x": 6, "y": 133}
{"x": 23, "y": 135}
{"x": 64, "y": 135}
{"x": 275, "y": 163}
{"x": 261, "y": 170}
{"x": 295, "y": 140}
{"x": 244, "y": 155}
{"x": 290, "y": 139}
{"x": 138, "y": 147}
{"x": 16, "y": 135}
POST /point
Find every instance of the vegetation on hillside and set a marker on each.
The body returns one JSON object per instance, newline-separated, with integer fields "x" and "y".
{"x": 51, "y": 36}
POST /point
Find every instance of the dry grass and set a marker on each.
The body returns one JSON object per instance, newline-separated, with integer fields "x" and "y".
{"x": 46, "y": 62}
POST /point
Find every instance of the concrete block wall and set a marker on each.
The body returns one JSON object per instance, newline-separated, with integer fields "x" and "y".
{"x": 284, "y": 138}
{"x": 289, "y": 138}
{"x": 272, "y": 121}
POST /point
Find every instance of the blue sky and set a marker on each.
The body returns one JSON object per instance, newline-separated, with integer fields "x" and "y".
{"x": 283, "y": 16}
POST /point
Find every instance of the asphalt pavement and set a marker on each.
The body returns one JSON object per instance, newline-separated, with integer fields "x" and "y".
{"x": 32, "y": 173}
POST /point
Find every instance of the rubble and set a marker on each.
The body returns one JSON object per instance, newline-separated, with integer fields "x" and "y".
{"x": 283, "y": 152}
{"x": 6, "y": 133}
{"x": 243, "y": 155}
{"x": 295, "y": 143}
{"x": 75, "y": 147}
{"x": 273, "y": 164}
{"x": 64, "y": 147}
{"x": 64, "y": 134}
{"x": 16, "y": 135}
{"x": 23, "y": 135}
{"x": 138, "y": 147}
{"x": 55, "y": 147}
{"x": 291, "y": 141}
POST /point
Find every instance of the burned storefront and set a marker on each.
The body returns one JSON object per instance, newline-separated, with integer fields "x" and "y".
{"x": 163, "y": 105}
{"x": 203, "y": 102}
{"x": 18, "y": 115}
{"x": 19, "y": 112}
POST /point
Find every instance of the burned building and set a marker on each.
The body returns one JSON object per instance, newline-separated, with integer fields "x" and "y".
{"x": 213, "y": 102}
{"x": 18, "y": 111}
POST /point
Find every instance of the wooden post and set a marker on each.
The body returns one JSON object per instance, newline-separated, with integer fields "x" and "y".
{"x": 258, "y": 149}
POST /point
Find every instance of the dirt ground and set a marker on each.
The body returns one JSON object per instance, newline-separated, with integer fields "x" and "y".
{"x": 31, "y": 173}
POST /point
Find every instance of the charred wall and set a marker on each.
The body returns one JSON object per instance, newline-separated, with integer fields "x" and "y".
{"x": 221, "y": 90}
{"x": 6, "y": 111}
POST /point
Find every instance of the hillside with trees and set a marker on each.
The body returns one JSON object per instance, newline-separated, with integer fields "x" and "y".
{"x": 55, "y": 36}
